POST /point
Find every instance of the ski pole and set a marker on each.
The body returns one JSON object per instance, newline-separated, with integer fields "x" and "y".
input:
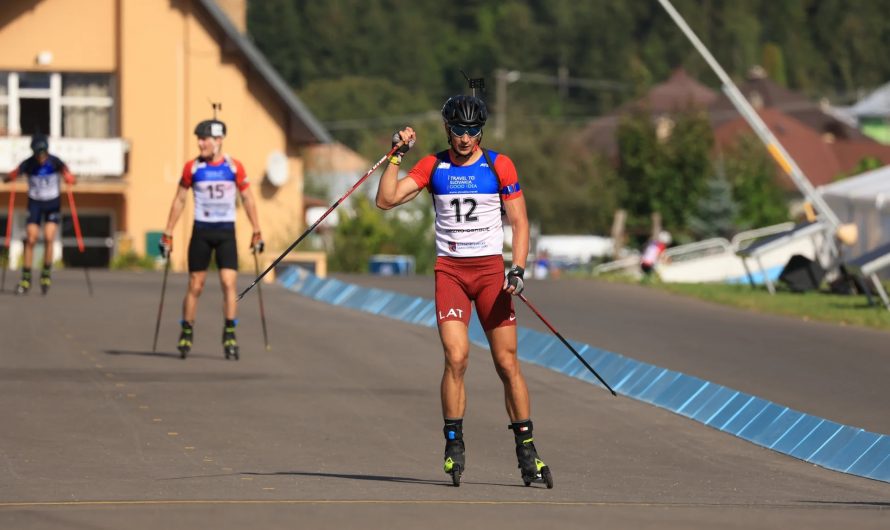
{"x": 154, "y": 346}
{"x": 320, "y": 219}
{"x": 259, "y": 292}
{"x": 564, "y": 341}
{"x": 9, "y": 213}
{"x": 79, "y": 236}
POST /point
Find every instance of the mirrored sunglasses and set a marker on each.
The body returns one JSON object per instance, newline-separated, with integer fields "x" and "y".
{"x": 460, "y": 130}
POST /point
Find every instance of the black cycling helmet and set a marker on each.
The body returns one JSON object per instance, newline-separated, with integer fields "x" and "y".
{"x": 214, "y": 128}
{"x": 39, "y": 143}
{"x": 468, "y": 111}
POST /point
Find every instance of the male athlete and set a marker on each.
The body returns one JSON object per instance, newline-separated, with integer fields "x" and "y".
{"x": 470, "y": 187}
{"x": 44, "y": 172}
{"x": 216, "y": 179}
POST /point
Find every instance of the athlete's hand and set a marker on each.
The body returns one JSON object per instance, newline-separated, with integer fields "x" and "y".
{"x": 513, "y": 283}
{"x": 165, "y": 245}
{"x": 256, "y": 243}
{"x": 407, "y": 136}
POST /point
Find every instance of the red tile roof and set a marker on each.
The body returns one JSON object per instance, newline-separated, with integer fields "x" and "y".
{"x": 822, "y": 158}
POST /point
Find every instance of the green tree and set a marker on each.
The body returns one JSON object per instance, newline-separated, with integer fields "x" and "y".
{"x": 773, "y": 62}
{"x": 753, "y": 176}
{"x": 638, "y": 160}
{"x": 716, "y": 210}
{"x": 685, "y": 167}
{"x": 666, "y": 174}
{"x": 359, "y": 236}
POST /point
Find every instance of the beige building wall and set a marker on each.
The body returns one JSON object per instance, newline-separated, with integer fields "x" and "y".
{"x": 80, "y": 34}
{"x": 167, "y": 85}
{"x": 172, "y": 60}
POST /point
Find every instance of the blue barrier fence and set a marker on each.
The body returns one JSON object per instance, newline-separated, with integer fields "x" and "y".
{"x": 804, "y": 436}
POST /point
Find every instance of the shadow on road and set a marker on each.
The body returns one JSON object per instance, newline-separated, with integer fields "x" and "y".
{"x": 861, "y": 504}
{"x": 378, "y": 478}
{"x": 164, "y": 354}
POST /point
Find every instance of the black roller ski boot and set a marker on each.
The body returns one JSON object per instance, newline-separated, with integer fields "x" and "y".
{"x": 45, "y": 281}
{"x": 531, "y": 466}
{"x": 185, "y": 339}
{"x": 455, "y": 461}
{"x": 230, "y": 344}
{"x": 25, "y": 284}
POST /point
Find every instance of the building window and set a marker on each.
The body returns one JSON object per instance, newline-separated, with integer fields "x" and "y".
{"x": 86, "y": 105}
{"x": 4, "y": 104}
{"x": 61, "y": 105}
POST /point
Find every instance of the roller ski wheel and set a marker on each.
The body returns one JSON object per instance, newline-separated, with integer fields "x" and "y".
{"x": 455, "y": 461}
{"x": 532, "y": 468}
{"x": 230, "y": 344}
{"x": 23, "y": 287}
{"x": 45, "y": 283}
{"x": 185, "y": 342}
{"x": 544, "y": 476}
{"x": 231, "y": 353}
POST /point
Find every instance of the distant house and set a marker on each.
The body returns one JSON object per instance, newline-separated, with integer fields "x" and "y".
{"x": 821, "y": 156}
{"x": 678, "y": 94}
{"x": 872, "y": 114}
{"x": 816, "y": 136}
{"x": 823, "y": 142}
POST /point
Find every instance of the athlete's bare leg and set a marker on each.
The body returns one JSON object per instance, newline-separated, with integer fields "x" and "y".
{"x": 33, "y": 232}
{"x": 456, "y": 345}
{"x": 49, "y": 238}
{"x": 228, "y": 279}
{"x": 190, "y": 303}
{"x": 502, "y": 341}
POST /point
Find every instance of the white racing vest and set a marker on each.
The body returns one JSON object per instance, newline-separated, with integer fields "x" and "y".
{"x": 44, "y": 180}
{"x": 216, "y": 189}
{"x": 468, "y": 209}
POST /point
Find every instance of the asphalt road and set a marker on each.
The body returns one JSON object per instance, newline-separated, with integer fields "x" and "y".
{"x": 338, "y": 426}
{"x": 836, "y": 372}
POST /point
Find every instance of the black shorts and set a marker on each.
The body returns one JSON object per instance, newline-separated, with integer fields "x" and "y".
{"x": 204, "y": 241}
{"x": 49, "y": 210}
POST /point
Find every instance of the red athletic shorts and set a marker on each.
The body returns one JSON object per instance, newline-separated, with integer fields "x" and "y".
{"x": 480, "y": 279}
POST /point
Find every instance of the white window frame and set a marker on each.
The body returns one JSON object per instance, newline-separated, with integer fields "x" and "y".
{"x": 57, "y": 102}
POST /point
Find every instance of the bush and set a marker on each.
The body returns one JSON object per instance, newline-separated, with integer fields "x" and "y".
{"x": 132, "y": 261}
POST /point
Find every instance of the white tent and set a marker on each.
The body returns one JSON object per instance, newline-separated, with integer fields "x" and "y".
{"x": 865, "y": 201}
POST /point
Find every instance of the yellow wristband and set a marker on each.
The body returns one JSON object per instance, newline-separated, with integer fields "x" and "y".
{"x": 395, "y": 160}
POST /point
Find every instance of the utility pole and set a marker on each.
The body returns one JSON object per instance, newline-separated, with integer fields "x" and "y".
{"x": 562, "y": 81}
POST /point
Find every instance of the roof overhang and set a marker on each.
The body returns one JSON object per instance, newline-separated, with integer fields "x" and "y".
{"x": 303, "y": 127}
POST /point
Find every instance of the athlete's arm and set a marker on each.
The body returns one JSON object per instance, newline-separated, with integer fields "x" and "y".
{"x": 391, "y": 191}
{"x": 518, "y": 217}
{"x": 68, "y": 176}
{"x": 250, "y": 209}
{"x": 12, "y": 175}
{"x": 176, "y": 208}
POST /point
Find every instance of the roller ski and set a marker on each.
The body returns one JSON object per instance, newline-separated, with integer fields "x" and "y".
{"x": 24, "y": 285}
{"x": 185, "y": 340}
{"x": 455, "y": 460}
{"x": 531, "y": 467}
{"x": 230, "y": 344}
{"x": 45, "y": 282}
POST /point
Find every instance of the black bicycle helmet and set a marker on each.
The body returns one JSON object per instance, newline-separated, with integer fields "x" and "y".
{"x": 468, "y": 111}
{"x": 39, "y": 143}
{"x": 212, "y": 128}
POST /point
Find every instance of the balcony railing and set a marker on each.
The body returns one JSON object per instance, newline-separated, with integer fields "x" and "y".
{"x": 92, "y": 158}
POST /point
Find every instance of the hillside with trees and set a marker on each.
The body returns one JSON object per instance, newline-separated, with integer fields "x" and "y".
{"x": 368, "y": 68}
